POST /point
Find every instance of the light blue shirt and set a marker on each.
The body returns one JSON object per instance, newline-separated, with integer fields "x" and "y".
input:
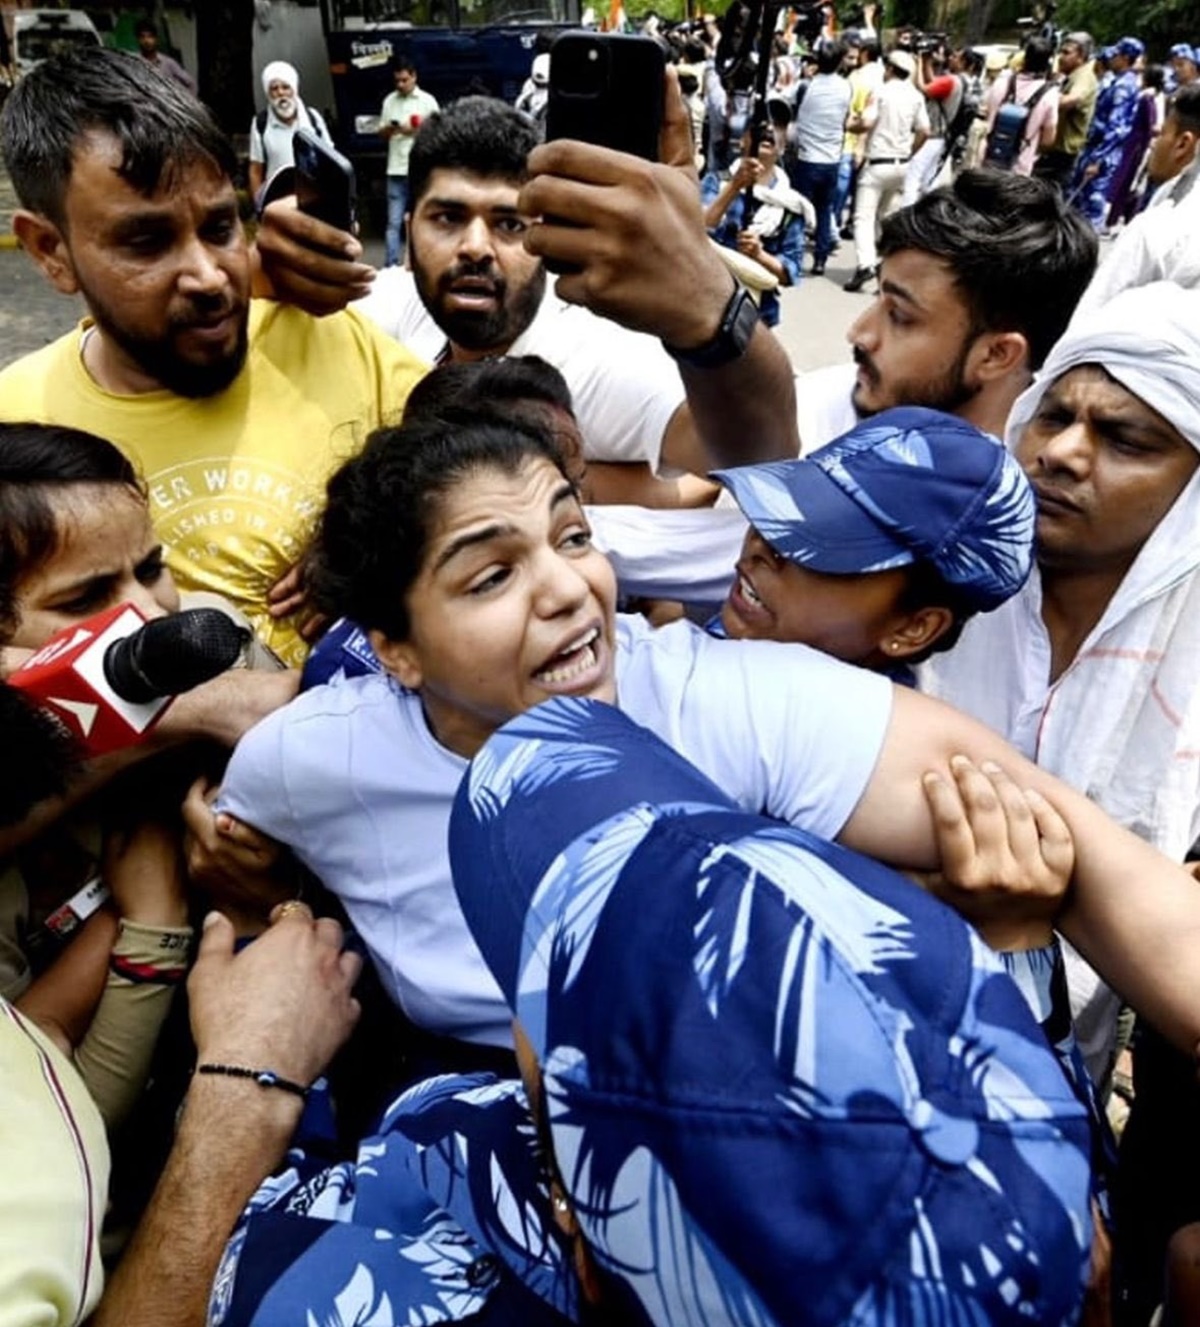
{"x": 821, "y": 119}
{"x": 352, "y": 780}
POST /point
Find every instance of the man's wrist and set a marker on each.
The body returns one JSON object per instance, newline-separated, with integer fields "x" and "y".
{"x": 276, "y": 1113}
{"x": 1015, "y": 937}
{"x": 728, "y": 341}
{"x": 695, "y": 320}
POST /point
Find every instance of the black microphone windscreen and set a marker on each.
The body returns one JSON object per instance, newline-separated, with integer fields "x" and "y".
{"x": 173, "y": 654}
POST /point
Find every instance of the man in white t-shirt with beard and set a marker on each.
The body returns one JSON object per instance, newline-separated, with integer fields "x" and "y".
{"x": 472, "y": 291}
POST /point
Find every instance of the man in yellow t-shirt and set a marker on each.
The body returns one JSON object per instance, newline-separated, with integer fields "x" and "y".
{"x": 236, "y": 411}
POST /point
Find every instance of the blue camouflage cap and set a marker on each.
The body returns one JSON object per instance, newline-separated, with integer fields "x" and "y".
{"x": 907, "y": 485}
{"x": 782, "y": 1082}
{"x": 1130, "y": 47}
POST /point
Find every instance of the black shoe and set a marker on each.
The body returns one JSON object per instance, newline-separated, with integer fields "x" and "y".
{"x": 860, "y": 278}
{"x": 846, "y": 232}
{"x": 818, "y": 267}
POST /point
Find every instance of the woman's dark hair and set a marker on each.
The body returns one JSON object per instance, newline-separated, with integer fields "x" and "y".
{"x": 478, "y": 384}
{"x": 925, "y": 587}
{"x": 1038, "y": 54}
{"x": 1152, "y": 77}
{"x": 373, "y": 534}
{"x": 524, "y": 388}
{"x": 480, "y": 136}
{"x": 38, "y": 462}
{"x": 1020, "y": 255}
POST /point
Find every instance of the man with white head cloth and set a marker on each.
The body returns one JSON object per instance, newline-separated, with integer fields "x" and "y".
{"x": 272, "y": 130}
{"x": 1091, "y": 669}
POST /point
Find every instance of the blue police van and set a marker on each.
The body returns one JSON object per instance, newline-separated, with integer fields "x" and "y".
{"x": 458, "y": 47}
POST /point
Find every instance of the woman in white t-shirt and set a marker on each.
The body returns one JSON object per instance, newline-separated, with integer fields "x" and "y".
{"x": 464, "y": 552}
{"x": 461, "y": 547}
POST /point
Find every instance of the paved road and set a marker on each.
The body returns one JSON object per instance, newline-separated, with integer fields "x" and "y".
{"x": 32, "y": 312}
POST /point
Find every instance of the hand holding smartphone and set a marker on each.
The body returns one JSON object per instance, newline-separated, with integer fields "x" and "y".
{"x": 607, "y": 89}
{"x": 324, "y": 181}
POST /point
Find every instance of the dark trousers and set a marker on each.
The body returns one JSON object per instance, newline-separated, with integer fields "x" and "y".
{"x": 1057, "y": 167}
{"x": 1158, "y": 1175}
{"x": 818, "y": 182}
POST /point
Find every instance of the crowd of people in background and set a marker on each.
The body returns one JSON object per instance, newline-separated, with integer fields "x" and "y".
{"x": 684, "y": 841}
{"x": 858, "y": 129}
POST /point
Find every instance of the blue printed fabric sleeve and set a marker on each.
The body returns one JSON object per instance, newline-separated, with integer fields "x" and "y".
{"x": 1116, "y": 127}
{"x": 726, "y": 230}
{"x": 789, "y": 249}
{"x": 442, "y": 1216}
{"x": 1041, "y": 977}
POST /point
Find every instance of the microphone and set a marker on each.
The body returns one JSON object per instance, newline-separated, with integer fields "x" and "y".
{"x": 170, "y": 655}
{"x": 110, "y": 678}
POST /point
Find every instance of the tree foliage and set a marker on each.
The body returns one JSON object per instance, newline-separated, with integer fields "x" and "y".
{"x": 1159, "y": 23}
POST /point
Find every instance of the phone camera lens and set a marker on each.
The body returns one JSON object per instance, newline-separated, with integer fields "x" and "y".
{"x": 593, "y": 54}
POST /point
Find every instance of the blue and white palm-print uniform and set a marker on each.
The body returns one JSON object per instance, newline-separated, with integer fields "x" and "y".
{"x": 783, "y": 1084}
{"x": 1112, "y": 123}
{"x": 441, "y": 1218}
{"x": 906, "y": 486}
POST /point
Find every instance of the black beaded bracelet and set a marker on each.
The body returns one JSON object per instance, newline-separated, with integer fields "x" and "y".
{"x": 263, "y": 1077}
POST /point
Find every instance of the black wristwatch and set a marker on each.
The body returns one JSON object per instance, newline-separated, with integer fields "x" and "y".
{"x": 731, "y": 338}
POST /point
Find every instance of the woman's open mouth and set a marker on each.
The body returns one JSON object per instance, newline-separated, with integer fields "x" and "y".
{"x": 577, "y": 660}
{"x": 745, "y": 601}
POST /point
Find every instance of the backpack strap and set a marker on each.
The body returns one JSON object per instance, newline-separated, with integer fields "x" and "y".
{"x": 260, "y": 123}
{"x": 320, "y": 128}
{"x": 1029, "y": 105}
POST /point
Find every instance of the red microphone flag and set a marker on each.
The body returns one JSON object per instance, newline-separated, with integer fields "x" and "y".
{"x": 66, "y": 677}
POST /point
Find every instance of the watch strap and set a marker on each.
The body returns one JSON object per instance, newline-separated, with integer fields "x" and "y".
{"x": 730, "y": 339}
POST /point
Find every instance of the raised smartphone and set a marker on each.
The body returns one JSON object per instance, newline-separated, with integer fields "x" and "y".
{"x": 324, "y": 181}
{"x": 607, "y": 88}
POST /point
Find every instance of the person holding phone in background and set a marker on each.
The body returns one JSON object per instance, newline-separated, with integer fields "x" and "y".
{"x": 399, "y": 120}
{"x": 769, "y": 233}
